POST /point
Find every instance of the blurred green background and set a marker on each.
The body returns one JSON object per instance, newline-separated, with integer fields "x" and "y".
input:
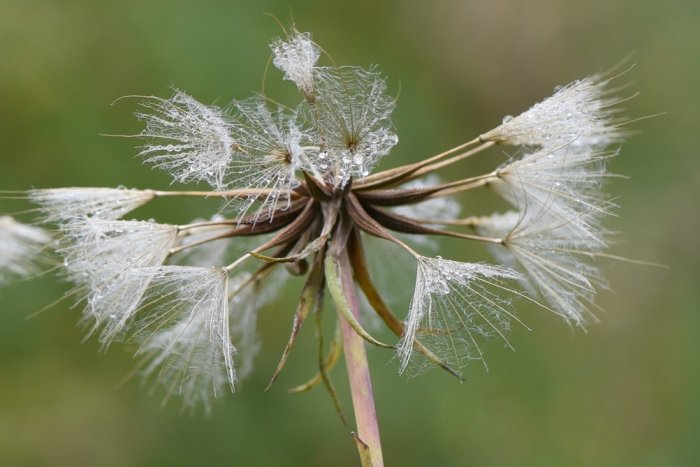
{"x": 624, "y": 393}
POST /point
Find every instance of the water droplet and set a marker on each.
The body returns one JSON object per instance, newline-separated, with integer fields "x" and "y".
{"x": 507, "y": 118}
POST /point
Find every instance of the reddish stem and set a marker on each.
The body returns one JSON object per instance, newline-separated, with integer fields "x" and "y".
{"x": 358, "y": 370}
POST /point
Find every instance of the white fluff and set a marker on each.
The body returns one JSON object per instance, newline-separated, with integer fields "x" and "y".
{"x": 581, "y": 112}
{"x": 184, "y": 332}
{"x": 297, "y": 57}
{"x": 353, "y": 118}
{"x": 271, "y": 143}
{"x": 454, "y": 305}
{"x": 62, "y": 205}
{"x": 190, "y": 140}
{"x": 553, "y": 254}
{"x": 243, "y": 315}
{"x": 101, "y": 256}
{"x": 192, "y": 322}
{"x": 20, "y": 245}
{"x": 557, "y": 229}
{"x": 564, "y": 184}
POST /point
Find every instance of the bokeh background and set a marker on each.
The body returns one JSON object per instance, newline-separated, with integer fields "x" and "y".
{"x": 623, "y": 393}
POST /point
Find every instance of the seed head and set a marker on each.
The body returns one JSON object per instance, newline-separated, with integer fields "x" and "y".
{"x": 296, "y": 195}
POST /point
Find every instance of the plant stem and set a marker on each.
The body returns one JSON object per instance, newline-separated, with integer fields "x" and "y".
{"x": 358, "y": 370}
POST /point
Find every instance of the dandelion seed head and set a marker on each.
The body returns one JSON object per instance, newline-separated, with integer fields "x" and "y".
{"x": 299, "y": 199}
{"x": 271, "y": 144}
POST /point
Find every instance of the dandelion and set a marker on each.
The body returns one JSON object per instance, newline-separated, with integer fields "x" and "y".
{"x": 296, "y": 195}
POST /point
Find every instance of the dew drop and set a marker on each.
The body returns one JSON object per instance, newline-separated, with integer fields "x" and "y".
{"x": 507, "y": 118}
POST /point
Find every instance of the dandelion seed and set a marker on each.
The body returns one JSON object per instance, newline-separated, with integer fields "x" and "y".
{"x": 184, "y": 332}
{"x": 453, "y": 308}
{"x": 191, "y": 141}
{"x": 582, "y": 112}
{"x": 102, "y": 257}
{"x": 565, "y": 180}
{"x": 272, "y": 144}
{"x": 554, "y": 256}
{"x": 20, "y": 247}
{"x": 353, "y": 120}
{"x": 297, "y": 57}
{"x": 61, "y": 205}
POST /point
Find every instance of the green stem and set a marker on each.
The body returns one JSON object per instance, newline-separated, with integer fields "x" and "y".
{"x": 358, "y": 370}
